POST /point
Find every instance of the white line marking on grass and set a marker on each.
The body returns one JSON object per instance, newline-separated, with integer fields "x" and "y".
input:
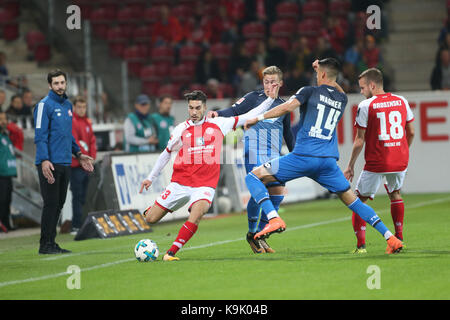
{"x": 206, "y": 245}
{"x": 61, "y": 274}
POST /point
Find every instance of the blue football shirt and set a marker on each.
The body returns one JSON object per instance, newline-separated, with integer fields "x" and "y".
{"x": 321, "y": 108}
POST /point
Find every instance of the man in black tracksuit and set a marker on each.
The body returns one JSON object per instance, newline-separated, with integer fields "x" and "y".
{"x": 55, "y": 146}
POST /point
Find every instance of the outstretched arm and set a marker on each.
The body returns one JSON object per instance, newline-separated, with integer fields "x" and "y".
{"x": 162, "y": 161}
{"x": 276, "y": 112}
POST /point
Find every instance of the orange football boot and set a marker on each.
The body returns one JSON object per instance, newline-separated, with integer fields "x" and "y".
{"x": 394, "y": 245}
{"x": 274, "y": 225}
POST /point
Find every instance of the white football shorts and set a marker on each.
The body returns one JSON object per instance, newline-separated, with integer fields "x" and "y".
{"x": 176, "y": 196}
{"x": 369, "y": 182}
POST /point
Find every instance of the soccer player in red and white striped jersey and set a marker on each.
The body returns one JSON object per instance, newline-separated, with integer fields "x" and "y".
{"x": 198, "y": 144}
{"x": 384, "y": 123}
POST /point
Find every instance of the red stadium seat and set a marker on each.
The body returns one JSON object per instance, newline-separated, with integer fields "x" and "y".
{"x": 251, "y": 46}
{"x": 9, "y": 24}
{"x": 198, "y": 86}
{"x": 150, "y": 88}
{"x": 227, "y": 89}
{"x": 314, "y": 8}
{"x": 162, "y": 54}
{"x": 151, "y": 15}
{"x": 254, "y": 30}
{"x": 339, "y": 8}
{"x": 190, "y": 53}
{"x": 154, "y": 72}
{"x": 221, "y": 51}
{"x": 12, "y": 6}
{"x": 34, "y": 38}
{"x": 135, "y": 56}
{"x": 309, "y": 27}
{"x": 169, "y": 89}
{"x": 287, "y": 10}
{"x": 117, "y": 41}
{"x": 101, "y": 18}
{"x": 182, "y": 11}
{"x": 142, "y": 34}
{"x": 182, "y": 73}
{"x": 42, "y": 52}
{"x": 284, "y": 43}
{"x": 283, "y": 28}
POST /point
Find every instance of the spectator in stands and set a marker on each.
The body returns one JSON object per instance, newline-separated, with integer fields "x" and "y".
{"x": 164, "y": 121}
{"x": 139, "y": 129}
{"x": 322, "y": 50}
{"x": 8, "y": 170}
{"x": 276, "y": 56}
{"x": 353, "y": 54}
{"x": 27, "y": 99}
{"x": 18, "y": 112}
{"x": 261, "y": 53}
{"x": 335, "y": 34}
{"x": 213, "y": 89}
{"x": 167, "y": 30}
{"x": 2, "y": 99}
{"x": 79, "y": 178}
{"x": 440, "y": 76}
{"x": 295, "y": 80}
{"x": 371, "y": 53}
{"x": 207, "y": 67}
{"x": 348, "y": 79}
{"x": 298, "y": 55}
{"x": 251, "y": 79}
{"x": 201, "y": 33}
{"x": 3, "y": 68}
{"x": 16, "y": 135}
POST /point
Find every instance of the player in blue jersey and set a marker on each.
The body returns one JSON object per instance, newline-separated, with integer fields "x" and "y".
{"x": 262, "y": 143}
{"x": 315, "y": 152}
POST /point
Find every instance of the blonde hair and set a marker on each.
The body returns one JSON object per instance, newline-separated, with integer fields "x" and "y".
{"x": 273, "y": 70}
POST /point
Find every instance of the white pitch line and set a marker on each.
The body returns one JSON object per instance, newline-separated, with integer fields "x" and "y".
{"x": 305, "y": 226}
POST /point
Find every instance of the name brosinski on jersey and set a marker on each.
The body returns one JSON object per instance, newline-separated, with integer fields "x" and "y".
{"x": 331, "y": 102}
{"x": 387, "y": 104}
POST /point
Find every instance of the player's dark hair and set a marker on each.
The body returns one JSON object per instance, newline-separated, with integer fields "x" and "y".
{"x": 165, "y": 96}
{"x": 79, "y": 99}
{"x": 55, "y": 73}
{"x": 372, "y": 75}
{"x": 196, "y": 95}
{"x": 332, "y": 67}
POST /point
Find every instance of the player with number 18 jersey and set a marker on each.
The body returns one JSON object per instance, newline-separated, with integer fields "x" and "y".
{"x": 384, "y": 118}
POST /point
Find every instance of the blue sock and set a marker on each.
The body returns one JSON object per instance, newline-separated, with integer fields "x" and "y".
{"x": 253, "y": 210}
{"x": 368, "y": 215}
{"x": 259, "y": 192}
{"x": 276, "y": 201}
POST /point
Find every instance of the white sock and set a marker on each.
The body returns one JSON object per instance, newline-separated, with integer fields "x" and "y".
{"x": 387, "y": 235}
{"x": 272, "y": 214}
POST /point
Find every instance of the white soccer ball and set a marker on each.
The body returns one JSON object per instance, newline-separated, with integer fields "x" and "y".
{"x": 224, "y": 204}
{"x": 146, "y": 250}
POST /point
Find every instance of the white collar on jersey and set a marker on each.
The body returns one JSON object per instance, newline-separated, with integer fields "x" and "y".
{"x": 192, "y": 123}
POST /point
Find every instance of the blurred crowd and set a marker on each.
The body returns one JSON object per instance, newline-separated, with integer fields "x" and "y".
{"x": 440, "y": 75}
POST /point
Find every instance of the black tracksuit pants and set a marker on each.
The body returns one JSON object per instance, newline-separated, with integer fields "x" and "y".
{"x": 54, "y": 196}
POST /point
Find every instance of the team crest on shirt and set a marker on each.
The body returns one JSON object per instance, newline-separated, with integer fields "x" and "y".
{"x": 209, "y": 131}
{"x": 200, "y": 141}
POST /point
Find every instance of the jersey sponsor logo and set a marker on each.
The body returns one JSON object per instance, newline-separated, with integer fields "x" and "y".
{"x": 239, "y": 101}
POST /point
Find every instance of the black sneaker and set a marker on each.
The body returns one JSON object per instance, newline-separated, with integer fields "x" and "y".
{"x": 255, "y": 245}
{"x": 61, "y": 250}
{"x": 48, "y": 249}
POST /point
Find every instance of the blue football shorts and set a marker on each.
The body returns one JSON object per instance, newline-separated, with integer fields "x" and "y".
{"x": 324, "y": 171}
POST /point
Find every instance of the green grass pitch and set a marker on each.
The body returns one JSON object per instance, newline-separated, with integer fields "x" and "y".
{"x": 312, "y": 260}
